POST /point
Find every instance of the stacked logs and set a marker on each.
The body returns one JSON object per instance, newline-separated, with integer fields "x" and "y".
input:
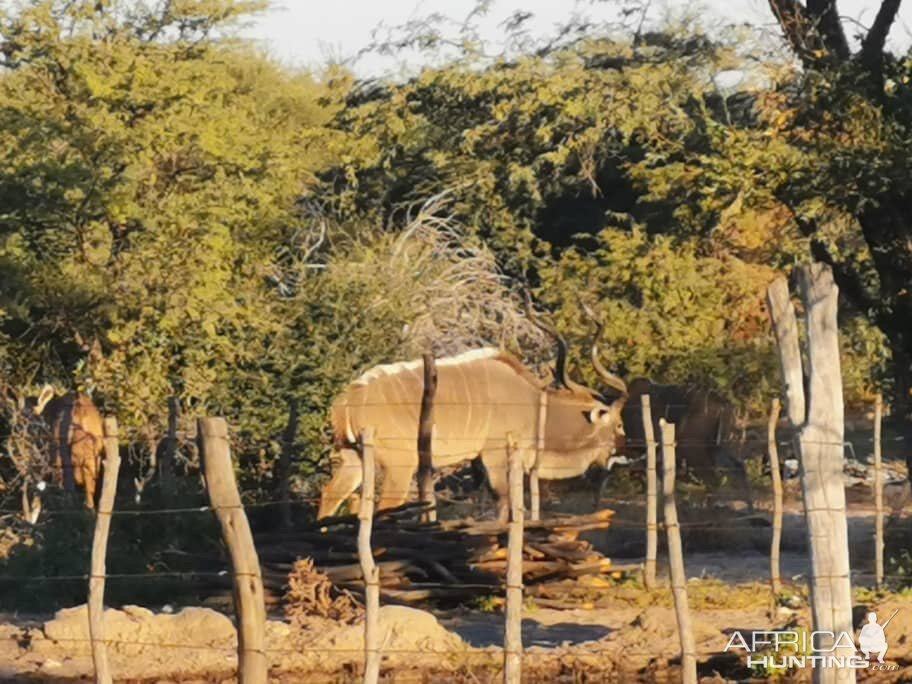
{"x": 447, "y": 561}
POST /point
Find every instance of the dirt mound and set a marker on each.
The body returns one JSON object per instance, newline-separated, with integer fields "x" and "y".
{"x": 655, "y": 631}
{"x": 130, "y": 631}
{"x": 408, "y": 636}
{"x": 660, "y": 623}
{"x": 140, "y": 643}
{"x": 143, "y": 644}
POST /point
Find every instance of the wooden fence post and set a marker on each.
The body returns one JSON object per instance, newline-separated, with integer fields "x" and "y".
{"x": 676, "y": 556}
{"x": 820, "y": 438}
{"x": 283, "y": 467}
{"x": 369, "y": 569}
{"x": 513, "y": 611}
{"x": 426, "y": 439}
{"x": 652, "y": 496}
{"x": 534, "y": 495}
{"x": 249, "y": 606}
{"x": 776, "y": 476}
{"x": 100, "y": 551}
{"x": 878, "y": 495}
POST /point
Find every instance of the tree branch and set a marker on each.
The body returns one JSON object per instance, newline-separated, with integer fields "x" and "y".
{"x": 825, "y": 20}
{"x": 848, "y": 279}
{"x": 873, "y": 44}
{"x": 793, "y": 21}
{"x": 814, "y": 32}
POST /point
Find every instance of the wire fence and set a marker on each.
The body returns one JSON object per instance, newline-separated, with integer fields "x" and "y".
{"x": 477, "y": 655}
{"x": 730, "y": 524}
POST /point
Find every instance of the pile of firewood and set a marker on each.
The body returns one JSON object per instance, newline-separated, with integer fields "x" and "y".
{"x": 442, "y": 561}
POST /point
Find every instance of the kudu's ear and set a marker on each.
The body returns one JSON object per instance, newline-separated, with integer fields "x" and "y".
{"x": 47, "y": 393}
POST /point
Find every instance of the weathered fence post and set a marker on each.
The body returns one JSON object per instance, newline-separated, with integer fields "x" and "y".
{"x": 776, "y": 476}
{"x": 652, "y": 496}
{"x": 283, "y": 467}
{"x": 225, "y": 499}
{"x": 100, "y": 551}
{"x": 426, "y": 439}
{"x": 513, "y": 611}
{"x": 878, "y": 495}
{"x": 534, "y": 495}
{"x": 820, "y": 437}
{"x": 369, "y": 569}
{"x": 676, "y": 556}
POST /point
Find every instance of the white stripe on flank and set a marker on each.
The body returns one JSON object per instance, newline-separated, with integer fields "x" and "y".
{"x": 404, "y": 366}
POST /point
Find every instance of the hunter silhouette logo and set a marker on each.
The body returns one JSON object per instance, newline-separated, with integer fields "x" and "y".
{"x": 872, "y": 638}
{"x": 794, "y": 648}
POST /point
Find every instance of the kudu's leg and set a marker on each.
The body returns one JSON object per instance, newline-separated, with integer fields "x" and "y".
{"x": 397, "y": 482}
{"x": 89, "y": 479}
{"x": 85, "y": 455}
{"x": 497, "y": 478}
{"x": 346, "y": 478}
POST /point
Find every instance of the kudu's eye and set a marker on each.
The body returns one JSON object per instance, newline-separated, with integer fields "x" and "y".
{"x": 599, "y": 415}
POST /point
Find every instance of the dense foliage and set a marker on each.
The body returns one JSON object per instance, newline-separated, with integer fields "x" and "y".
{"x": 181, "y": 216}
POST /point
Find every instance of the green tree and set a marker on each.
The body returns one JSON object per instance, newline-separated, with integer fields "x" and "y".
{"x": 544, "y": 148}
{"x": 820, "y": 155}
{"x": 152, "y": 169}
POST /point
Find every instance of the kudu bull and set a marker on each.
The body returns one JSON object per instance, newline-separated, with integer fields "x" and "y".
{"x": 76, "y": 438}
{"x": 482, "y": 396}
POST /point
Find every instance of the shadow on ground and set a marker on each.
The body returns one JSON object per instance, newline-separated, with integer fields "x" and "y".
{"x": 483, "y": 630}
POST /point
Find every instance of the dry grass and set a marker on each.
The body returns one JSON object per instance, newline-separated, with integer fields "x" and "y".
{"x": 311, "y": 593}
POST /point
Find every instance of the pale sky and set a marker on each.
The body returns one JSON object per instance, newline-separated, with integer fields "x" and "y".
{"x": 309, "y": 32}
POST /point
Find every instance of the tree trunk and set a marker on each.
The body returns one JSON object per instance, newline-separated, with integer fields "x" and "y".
{"x": 426, "y": 439}
{"x": 283, "y": 468}
{"x": 166, "y": 465}
{"x": 820, "y": 446}
{"x": 901, "y": 367}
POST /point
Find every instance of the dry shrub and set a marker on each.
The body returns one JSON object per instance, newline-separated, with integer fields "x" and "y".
{"x": 429, "y": 281}
{"x": 311, "y": 593}
{"x": 24, "y": 442}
